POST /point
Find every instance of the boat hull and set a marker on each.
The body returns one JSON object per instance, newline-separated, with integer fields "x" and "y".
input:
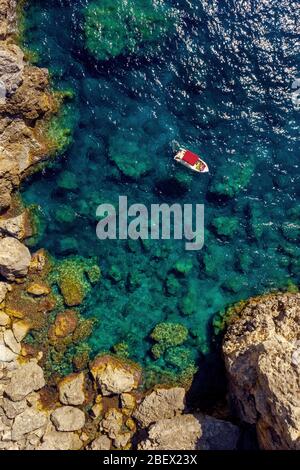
{"x": 191, "y": 161}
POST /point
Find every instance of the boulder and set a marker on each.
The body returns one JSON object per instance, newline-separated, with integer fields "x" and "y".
{"x": 264, "y": 380}
{"x": 15, "y": 226}
{"x": 217, "y": 434}
{"x": 38, "y": 289}
{"x": 20, "y": 329}
{"x": 6, "y": 354}
{"x": 11, "y": 342}
{"x": 26, "y": 422}
{"x": 4, "y": 288}
{"x": 14, "y": 258}
{"x": 100, "y": 443}
{"x": 4, "y": 319}
{"x": 114, "y": 375}
{"x": 9, "y": 179}
{"x": 13, "y": 408}
{"x": 161, "y": 403}
{"x": 179, "y": 433}
{"x": 25, "y": 379}
{"x": 68, "y": 418}
{"x": 54, "y": 440}
{"x": 71, "y": 389}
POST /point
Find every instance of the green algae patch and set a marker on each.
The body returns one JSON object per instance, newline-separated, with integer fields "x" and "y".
{"x": 74, "y": 277}
{"x": 226, "y": 226}
{"x": 59, "y": 130}
{"x": 229, "y": 183}
{"x": 167, "y": 335}
{"x": 119, "y": 27}
{"x": 125, "y": 150}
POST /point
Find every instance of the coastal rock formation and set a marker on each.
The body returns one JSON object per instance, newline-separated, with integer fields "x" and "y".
{"x": 25, "y": 104}
{"x": 191, "y": 432}
{"x": 71, "y": 389}
{"x": 180, "y": 433}
{"x": 24, "y": 380}
{"x": 161, "y": 403}
{"x": 68, "y": 418}
{"x": 261, "y": 350}
{"x": 115, "y": 376}
{"x": 14, "y": 258}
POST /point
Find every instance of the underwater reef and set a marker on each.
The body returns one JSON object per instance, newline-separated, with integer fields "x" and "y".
{"x": 119, "y": 27}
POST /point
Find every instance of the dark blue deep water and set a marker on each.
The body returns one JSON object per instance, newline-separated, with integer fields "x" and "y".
{"x": 218, "y": 79}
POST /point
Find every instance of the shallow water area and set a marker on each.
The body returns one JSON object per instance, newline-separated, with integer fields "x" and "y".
{"x": 216, "y": 77}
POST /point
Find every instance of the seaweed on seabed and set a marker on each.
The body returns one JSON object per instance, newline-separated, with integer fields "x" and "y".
{"x": 118, "y": 27}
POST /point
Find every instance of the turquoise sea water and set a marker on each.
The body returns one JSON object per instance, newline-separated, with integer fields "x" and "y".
{"x": 219, "y": 81}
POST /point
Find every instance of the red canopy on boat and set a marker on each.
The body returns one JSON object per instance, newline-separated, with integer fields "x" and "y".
{"x": 190, "y": 157}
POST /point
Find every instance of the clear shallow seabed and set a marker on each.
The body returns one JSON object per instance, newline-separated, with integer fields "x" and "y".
{"x": 220, "y": 83}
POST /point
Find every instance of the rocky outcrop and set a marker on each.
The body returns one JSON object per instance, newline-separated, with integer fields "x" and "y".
{"x": 24, "y": 380}
{"x": 68, "y": 418}
{"x": 71, "y": 389}
{"x": 191, "y": 432}
{"x": 161, "y": 403}
{"x": 115, "y": 376}
{"x": 261, "y": 350}
{"x": 14, "y": 258}
{"x": 25, "y": 104}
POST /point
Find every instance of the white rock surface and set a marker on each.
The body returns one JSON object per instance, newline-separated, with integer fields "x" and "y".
{"x": 161, "y": 403}
{"x": 26, "y": 422}
{"x": 26, "y": 379}
{"x": 68, "y": 418}
{"x": 14, "y": 258}
{"x": 71, "y": 389}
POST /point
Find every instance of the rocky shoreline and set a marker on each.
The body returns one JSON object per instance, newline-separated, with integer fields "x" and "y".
{"x": 102, "y": 407}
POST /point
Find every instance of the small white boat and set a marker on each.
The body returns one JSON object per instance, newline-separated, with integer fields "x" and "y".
{"x": 191, "y": 161}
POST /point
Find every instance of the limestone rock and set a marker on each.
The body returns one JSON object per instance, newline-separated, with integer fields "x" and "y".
{"x": 100, "y": 443}
{"x": 9, "y": 179}
{"x": 264, "y": 382}
{"x": 54, "y": 440}
{"x": 68, "y": 418}
{"x": 38, "y": 289}
{"x": 26, "y": 379}
{"x": 14, "y": 226}
{"x": 112, "y": 422}
{"x": 217, "y": 434}
{"x": 179, "y": 433}
{"x": 11, "y": 342}
{"x": 4, "y": 319}
{"x": 71, "y": 389}
{"x": 6, "y": 354}
{"x": 20, "y": 329}
{"x": 14, "y": 258}
{"x": 11, "y": 67}
{"x": 26, "y": 422}
{"x": 115, "y": 376}
{"x": 161, "y": 403}
{"x": 4, "y": 288}
{"x": 13, "y": 408}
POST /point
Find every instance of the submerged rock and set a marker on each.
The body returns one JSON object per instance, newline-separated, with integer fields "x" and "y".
{"x": 14, "y": 258}
{"x": 264, "y": 381}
